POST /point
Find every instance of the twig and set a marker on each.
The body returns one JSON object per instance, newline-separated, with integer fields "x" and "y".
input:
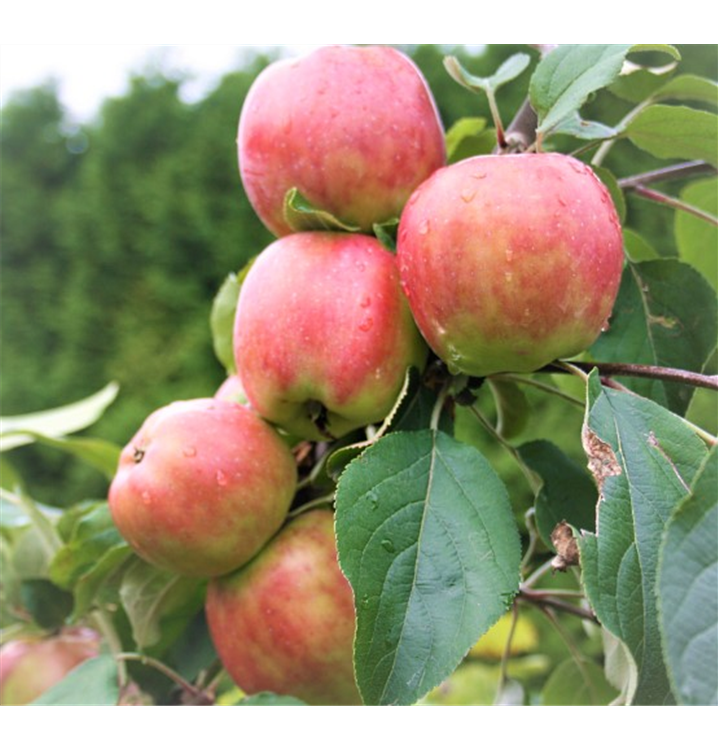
{"x": 643, "y": 371}
{"x": 674, "y": 172}
{"x": 671, "y": 202}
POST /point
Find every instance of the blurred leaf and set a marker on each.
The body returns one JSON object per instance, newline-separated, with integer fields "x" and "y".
{"x": 385, "y": 232}
{"x": 689, "y": 87}
{"x": 270, "y": 699}
{"x": 688, "y": 590}
{"x": 221, "y": 321}
{"x": 56, "y": 422}
{"x": 93, "y": 683}
{"x": 492, "y": 644}
{"x": 94, "y": 552}
{"x": 665, "y": 314}
{"x": 675, "y": 132}
{"x": 643, "y": 457}
{"x": 636, "y": 247}
{"x": 509, "y": 69}
{"x": 153, "y": 598}
{"x": 101, "y": 454}
{"x": 697, "y": 238}
{"x": 469, "y": 136}
{"x": 48, "y": 605}
{"x": 619, "y": 667}
{"x": 609, "y": 180}
{"x": 512, "y": 407}
{"x": 577, "y": 684}
{"x": 427, "y": 538}
{"x": 302, "y": 216}
{"x": 568, "y": 75}
{"x": 567, "y": 491}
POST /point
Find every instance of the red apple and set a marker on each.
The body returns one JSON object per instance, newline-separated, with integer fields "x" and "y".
{"x": 202, "y": 486}
{"x": 30, "y": 666}
{"x": 510, "y": 262}
{"x": 355, "y": 130}
{"x": 323, "y": 334}
{"x": 285, "y": 622}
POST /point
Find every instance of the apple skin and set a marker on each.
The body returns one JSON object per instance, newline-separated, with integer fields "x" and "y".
{"x": 285, "y": 622}
{"x": 355, "y": 130}
{"x": 202, "y": 487}
{"x": 231, "y": 389}
{"x": 30, "y": 666}
{"x": 510, "y": 262}
{"x": 322, "y": 320}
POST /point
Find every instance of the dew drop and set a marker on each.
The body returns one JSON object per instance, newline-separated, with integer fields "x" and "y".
{"x": 146, "y": 497}
{"x": 468, "y": 195}
{"x": 508, "y": 276}
{"x": 509, "y": 255}
{"x": 190, "y": 451}
{"x": 365, "y": 301}
{"x": 479, "y": 175}
{"x": 605, "y": 327}
{"x": 424, "y": 227}
{"x": 221, "y": 478}
{"x": 388, "y": 545}
{"x": 366, "y": 324}
{"x": 361, "y": 265}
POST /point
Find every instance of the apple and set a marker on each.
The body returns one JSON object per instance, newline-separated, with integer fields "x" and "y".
{"x": 202, "y": 487}
{"x": 231, "y": 389}
{"x": 354, "y": 129}
{"x": 285, "y": 622}
{"x": 29, "y": 666}
{"x": 510, "y": 261}
{"x": 323, "y": 334}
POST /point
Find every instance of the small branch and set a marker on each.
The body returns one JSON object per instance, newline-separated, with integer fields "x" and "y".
{"x": 654, "y": 372}
{"x": 165, "y": 670}
{"x": 671, "y": 202}
{"x": 544, "y": 602}
{"x": 674, "y": 172}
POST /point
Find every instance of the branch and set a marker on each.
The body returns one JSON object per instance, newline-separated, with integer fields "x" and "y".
{"x": 643, "y": 371}
{"x": 669, "y": 200}
{"x": 674, "y": 172}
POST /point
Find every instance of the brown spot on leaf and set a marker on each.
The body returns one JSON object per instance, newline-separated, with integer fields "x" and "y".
{"x": 566, "y": 547}
{"x": 602, "y": 461}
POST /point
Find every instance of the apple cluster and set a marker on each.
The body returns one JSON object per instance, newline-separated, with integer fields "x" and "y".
{"x": 502, "y": 263}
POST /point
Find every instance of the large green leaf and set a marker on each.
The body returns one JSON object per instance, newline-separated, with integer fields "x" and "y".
{"x": 675, "y": 132}
{"x": 55, "y": 423}
{"x": 427, "y": 539}
{"x": 567, "y": 492}
{"x": 688, "y": 590}
{"x": 643, "y": 458}
{"x": 577, "y": 683}
{"x": 666, "y": 314}
{"x": 158, "y": 603}
{"x": 93, "y": 683}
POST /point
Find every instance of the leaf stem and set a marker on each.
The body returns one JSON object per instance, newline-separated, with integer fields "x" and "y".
{"x": 164, "y": 669}
{"x": 504, "y": 671}
{"x": 439, "y": 405}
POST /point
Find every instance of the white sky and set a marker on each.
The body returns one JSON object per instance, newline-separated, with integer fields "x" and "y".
{"x": 87, "y": 74}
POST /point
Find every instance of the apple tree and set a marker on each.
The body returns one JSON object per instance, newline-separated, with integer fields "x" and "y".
{"x": 476, "y": 388}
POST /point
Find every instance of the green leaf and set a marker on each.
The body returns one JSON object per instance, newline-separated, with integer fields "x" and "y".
{"x": 95, "y": 551}
{"x": 302, "y": 216}
{"x": 577, "y": 684}
{"x": 675, "y": 132}
{"x": 609, "y": 180}
{"x": 643, "y": 458}
{"x": 48, "y": 605}
{"x": 587, "y": 130}
{"x": 221, "y": 319}
{"x": 637, "y": 248}
{"x": 512, "y": 407}
{"x": 427, "y": 538}
{"x": 469, "y": 136}
{"x": 690, "y": 88}
{"x": 565, "y": 79}
{"x": 385, "y": 232}
{"x": 55, "y": 423}
{"x": 665, "y": 314}
{"x": 156, "y": 600}
{"x": 100, "y": 454}
{"x": 270, "y": 699}
{"x": 510, "y": 69}
{"x": 688, "y": 590}
{"x": 93, "y": 683}
{"x": 567, "y": 492}
{"x": 695, "y": 236}
{"x": 567, "y": 76}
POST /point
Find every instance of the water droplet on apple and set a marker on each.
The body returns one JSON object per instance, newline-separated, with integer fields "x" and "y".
{"x": 365, "y": 301}
{"x": 221, "y": 478}
{"x": 366, "y": 324}
{"x": 361, "y": 265}
{"x": 509, "y": 255}
{"x": 468, "y": 195}
{"x": 562, "y": 202}
{"x": 146, "y": 497}
{"x": 508, "y": 276}
{"x": 424, "y": 227}
{"x": 190, "y": 451}
{"x": 479, "y": 175}
{"x": 606, "y": 326}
